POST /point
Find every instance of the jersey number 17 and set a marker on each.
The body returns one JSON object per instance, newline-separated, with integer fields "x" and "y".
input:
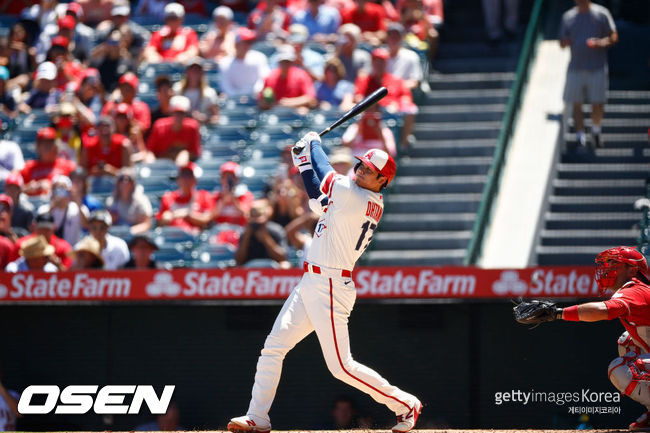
{"x": 364, "y": 229}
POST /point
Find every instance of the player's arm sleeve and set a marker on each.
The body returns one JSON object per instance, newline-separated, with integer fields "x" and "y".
{"x": 622, "y": 304}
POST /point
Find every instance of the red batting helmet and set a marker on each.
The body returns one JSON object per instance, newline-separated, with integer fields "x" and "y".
{"x": 608, "y": 264}
{"x": 381, "y": 162}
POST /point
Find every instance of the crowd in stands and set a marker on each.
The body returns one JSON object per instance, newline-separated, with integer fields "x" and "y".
{"x": 148, "y": 133}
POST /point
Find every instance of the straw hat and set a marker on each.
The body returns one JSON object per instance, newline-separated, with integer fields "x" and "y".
{"x": 90, "y": 245}
{"x": 36, "y": 247}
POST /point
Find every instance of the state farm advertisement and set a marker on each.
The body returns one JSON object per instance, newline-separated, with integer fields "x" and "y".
{"x": 211, "y": 284}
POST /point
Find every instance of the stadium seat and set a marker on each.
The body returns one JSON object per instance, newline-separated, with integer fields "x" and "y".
{"x": 214, "y": 256}
{"x": 262, "y": 263}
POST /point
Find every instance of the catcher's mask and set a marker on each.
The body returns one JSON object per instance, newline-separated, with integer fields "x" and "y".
{"x": 609, "y": 263}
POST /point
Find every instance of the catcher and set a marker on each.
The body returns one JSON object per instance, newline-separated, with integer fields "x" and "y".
{"x": 622, "y": 271}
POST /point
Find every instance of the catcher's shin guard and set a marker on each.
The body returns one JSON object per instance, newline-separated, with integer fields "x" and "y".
{"x": 630, "y": 374}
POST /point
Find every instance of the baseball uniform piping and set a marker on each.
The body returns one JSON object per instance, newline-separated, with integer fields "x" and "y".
{"x": 338, "y": 355}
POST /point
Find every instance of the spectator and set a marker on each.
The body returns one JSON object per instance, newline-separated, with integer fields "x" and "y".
{"x": 6, "y": 243}
{"x": 342, "y": 160}
{"x": 104, "y": 151}
{"x": 126, "y": 125}
{"x": 90, "y": 95}
{"x": 79, "y": 191}
{"x": 421, "y": 22}
{"x": 39, "y": 15}
{"x": 371, "y": 19}
{"x": 7, "y": 101}
{"x": 176, "y": 137}
{"x": 219, "y": 42}
{"x": 300, "y": 231}
{"x": 233, "y": 202}
{"x": 398, "y": 100}
{"x": 368, "y": 133}
{"x": 35, "y": 255}
{"x": 306, "y": 58}
{"x": 113, "y": 59}
{"x": 44, "y": 94}
{"x": 128, "y": 86}
{"x": 79, "y": 35}
{"x": 432, "y": 10}
{"x": 135, "y": 35}
{"x": 69, "y": 218}
{"x": 44, "y": 226}
{"x": 142, "y": 248}
{"x": 114, "y": 250}
{"x": 284, "y": 199}
{"x": 269, "y": 19}
{"x": 173, "y": 42}
{"x": 589, "y": 30}
{"x": 154, "y": 8}
{"x": 164, "y": 93}
{"x": 87, "y": 255}
{"x": 403, "y": 62}
{"x": 9, "y": 408}
{"x": 344, "y": 414}
{"x": 494, "y": 14}
{"x": 23, "y": 211}
{"x": 68, "y": 68}
{"x": 129, "y": 205}
{"x": 203, "y": 98}
{"x": 288, "y": 85}
{"x": 168, "y": 421}
{"x": 195, "y": 7}
{"x": 19, "y": 55}
{"x": 262, "y": 238}
{"x": 243, "y": 74}
{"x": 38, "y": 173}
{"x": 6, "y": 211}
{"x": 67, "y": 134}
{"x": 96, "y": 11}
{"x": 321, "y": 21}
{"x": 354, "y": 59}
{"x": 187, "y": 207}
{"x": 11, "y": 158}
{"x": 335, "y": 91}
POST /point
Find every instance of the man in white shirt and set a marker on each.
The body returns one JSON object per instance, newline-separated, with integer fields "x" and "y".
{"x": 11, "y": 158}
{"x": 244, "y": 73}
{"x": 115, "y": 252}
{"x": 68, "y": 216}
{"x": 403, "y": 63}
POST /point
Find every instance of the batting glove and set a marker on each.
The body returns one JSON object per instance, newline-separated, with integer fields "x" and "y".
{"x": 302, "y": 159}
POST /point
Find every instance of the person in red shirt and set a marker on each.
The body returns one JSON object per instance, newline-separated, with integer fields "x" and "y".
{"x": 38, "y": 173}
{"x": 399, "y": 98}
{"x": 104, "y": 152}
{"x": 176, "y": 137}
{"x": 233, "y": 202}
{"x": 44, "y": 226}
{"x": 269, "y": 17}
{"x": 128, "y": 85}
{"x": 6, "y": 245}
{"x": 187, "y": 207}
{"x": 288, "y": 85}
{"x": 371, "y": 19}
{"x": 622, "y": 271}
{"x": 173, "y": 42}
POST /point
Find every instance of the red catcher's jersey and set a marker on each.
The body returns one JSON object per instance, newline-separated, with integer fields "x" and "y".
{"x": 631, "y": 304}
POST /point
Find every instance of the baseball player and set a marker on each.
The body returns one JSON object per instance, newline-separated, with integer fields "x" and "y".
{"x": 323, "y": 300}
{"x": 622, "y": 271}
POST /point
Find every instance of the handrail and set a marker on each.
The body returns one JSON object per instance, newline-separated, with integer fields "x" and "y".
{"x": 531, "y": 39}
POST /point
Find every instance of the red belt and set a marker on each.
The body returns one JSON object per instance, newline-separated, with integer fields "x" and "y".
{"x": 316, "y": 270}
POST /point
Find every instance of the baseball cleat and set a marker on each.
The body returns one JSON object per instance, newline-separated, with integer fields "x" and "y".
{"x": 642, "y": 423}
{"x": 247, "y": 424}
{"x": 406, "y": 422}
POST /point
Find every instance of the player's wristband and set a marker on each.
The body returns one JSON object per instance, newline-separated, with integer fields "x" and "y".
{"x": 305, "y": 166}
{"x": 571, "y": 313}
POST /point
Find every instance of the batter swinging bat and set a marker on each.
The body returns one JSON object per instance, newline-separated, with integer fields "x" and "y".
{"x": 362, "y": 106}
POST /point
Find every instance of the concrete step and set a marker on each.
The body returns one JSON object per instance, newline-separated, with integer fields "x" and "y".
{"x": 401, "y": 257}
{"x": 461, "y": 113}
{"x": 457, "y": 130}
{"x": 427, "y": 221}
{"x": 588, "y": 237}
{"x": 452, "y": 148}
{"x": 422, "y": 240}
{"x": 614, "y": 155}
{"x": 476, "y": 64}
{"x": 444, "y": 166}
{"x": 462, "y": 81}
{"x": 632, "y": 187}
{"x": 602, "y": 171}
{"x": 447, "y": 203}
{"x": 616, "y": 140}
{"x": 474, "y": 50}
{"x": 438, "y": 184}
{"x": 595, "y": 203}
{"x": 472, "y": 96}
{"x": 619, "y": 126}
{"x": 628, "y": 97}
{"x": 596, "y": 220}
{"x": 569, "y": 255}
{"x": 622, "y": 111}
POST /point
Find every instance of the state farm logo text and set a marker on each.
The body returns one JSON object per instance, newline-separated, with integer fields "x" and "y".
{"x": 545, "y": 282}
{"x": 80, "y": 399}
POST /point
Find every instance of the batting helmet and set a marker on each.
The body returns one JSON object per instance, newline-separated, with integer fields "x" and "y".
{"x": 381, "y": 162}
{"x": 608, "y": 263}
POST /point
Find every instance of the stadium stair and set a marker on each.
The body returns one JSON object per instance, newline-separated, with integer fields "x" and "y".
{"x": 591, "y": 206}
{"x": 432, "y": 205}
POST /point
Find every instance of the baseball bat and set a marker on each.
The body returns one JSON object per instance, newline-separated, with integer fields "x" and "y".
{"x": 362, "y": 106}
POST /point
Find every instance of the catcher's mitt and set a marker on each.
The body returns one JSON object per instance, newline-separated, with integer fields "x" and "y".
{"x": 535, "y": 312}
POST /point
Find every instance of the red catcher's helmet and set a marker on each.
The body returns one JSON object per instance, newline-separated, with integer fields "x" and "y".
{"x": 381, "y": 162}
{"x": 608, "y": 264}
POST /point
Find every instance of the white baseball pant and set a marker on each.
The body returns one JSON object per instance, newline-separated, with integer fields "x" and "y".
{"x": 321, "y": 302}
{"x": 630, "y": 373}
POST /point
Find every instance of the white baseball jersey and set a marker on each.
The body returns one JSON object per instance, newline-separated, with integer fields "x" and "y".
{"x": 349, "y": 220}
{"x": 7, "y": 417}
